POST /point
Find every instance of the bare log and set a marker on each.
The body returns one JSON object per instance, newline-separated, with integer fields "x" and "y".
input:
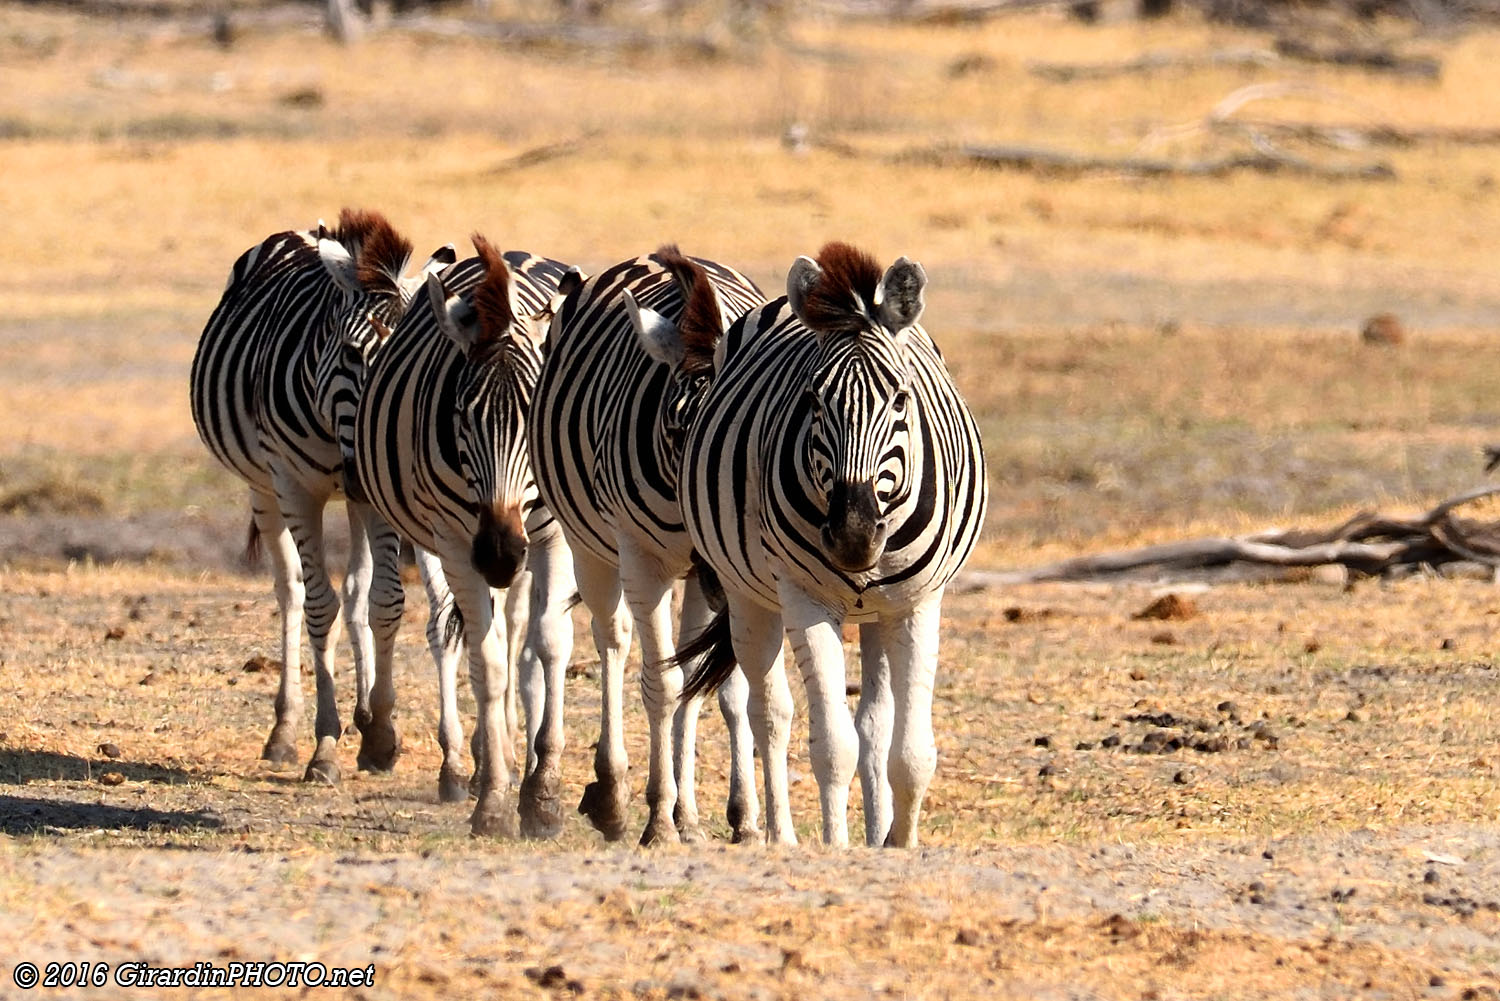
{"x": 1368, "y": 543}
{"x": 1051, "y": 161}
{"x": 1152, "y": 62}
{"x": 576, "y": 34}
{"x": 1375, "y": 60}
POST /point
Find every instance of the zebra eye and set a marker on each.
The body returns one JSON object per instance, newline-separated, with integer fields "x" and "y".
{"x": 898, "y": 405}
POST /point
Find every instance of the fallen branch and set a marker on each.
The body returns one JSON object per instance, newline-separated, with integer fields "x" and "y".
{"x": 579, "y": 35}
{"x": 1375, "y": 60}
{"x": 1051, "y": 161}
{"x": 1368, "y": 543}
{"x": 1152, "y": 62}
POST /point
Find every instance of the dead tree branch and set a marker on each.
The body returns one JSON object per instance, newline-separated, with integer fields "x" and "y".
{"x": 1051, "y": 161}
{"x": 1369, "y": 543}
{"x": 1152, "y": 62}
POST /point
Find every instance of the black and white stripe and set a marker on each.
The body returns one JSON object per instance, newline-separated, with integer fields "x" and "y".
{"x": 440, "y": 452}
{"x": 835, "y": 474}
{"x": 268, "y": 388}
{"x": 629, "y": 360}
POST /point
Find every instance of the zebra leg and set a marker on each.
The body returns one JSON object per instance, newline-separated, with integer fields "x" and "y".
{"x": 286, "y": 570}
{"x": 742, "y": 809}
{"x": 303, "y": 513}
{"x": 873, "y": 721}
{"x": 517, "y": 605}
{"x": 495, "y": 813}
{"x": 453, "y": 787}
{"x": 648, "y": 591}
{"x": 548, "y": 648}
{"x": 912, "y": 644}
{"x": 817, "y": 644}
{"x": 606, "y": 799}
{"x": 757, "y": 634}
{"x": 375, "y": 549}
{"x": 695, "y": 616}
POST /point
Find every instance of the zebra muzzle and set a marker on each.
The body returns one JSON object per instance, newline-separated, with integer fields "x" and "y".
{"x": 499, "y": 548}
{"x": 853, "y": 537}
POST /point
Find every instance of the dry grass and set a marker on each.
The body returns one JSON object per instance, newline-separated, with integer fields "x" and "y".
{"x": 1148, "y": 360}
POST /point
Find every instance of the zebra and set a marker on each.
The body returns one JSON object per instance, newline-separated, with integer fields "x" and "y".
{"x": 267, "y": 389}
{"x": 608, "y": 420}
{"x": 439, "y": 450}
{"x": 834, "y": 474}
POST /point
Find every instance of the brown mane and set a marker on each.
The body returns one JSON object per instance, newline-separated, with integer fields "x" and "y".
{"x": 355, "y": 227}
{"x": 701, "y": 324}
{"x": 382, "y": 258}
{"x": 491, "y": 298}
{"x": 843, "y": 298}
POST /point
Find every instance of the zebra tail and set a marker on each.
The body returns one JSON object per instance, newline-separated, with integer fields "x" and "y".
{"x": 712, "y": 654}
{"x": 453, "y": 629}
{"x": 252, "y": 545}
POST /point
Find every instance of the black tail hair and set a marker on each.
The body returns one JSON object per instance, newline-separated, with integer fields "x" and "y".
{"x": 713, "y": 652}
{"x": 453, "y": 629}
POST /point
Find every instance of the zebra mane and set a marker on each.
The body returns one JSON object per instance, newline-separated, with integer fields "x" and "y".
{"x": 491, "y": 297}
{"x": 701, "y": 324}
{"x": 381, "y": 258}
{"x": 355, "y": 228}
{"x": 842, "y": 300}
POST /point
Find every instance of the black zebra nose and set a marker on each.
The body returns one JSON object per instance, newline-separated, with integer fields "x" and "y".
{"x": 853, "y": 537}
{"x": 499, "y": 549}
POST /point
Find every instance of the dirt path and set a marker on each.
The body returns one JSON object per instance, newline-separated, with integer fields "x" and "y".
{"x": 1393, "y": 914}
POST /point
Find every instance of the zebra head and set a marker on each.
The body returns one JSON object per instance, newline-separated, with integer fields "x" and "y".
{"x": 501, "y": 343}
{"x": 685, "y": 346}
{"x": 857, "y": 406}
{"x": 365, "y": 259}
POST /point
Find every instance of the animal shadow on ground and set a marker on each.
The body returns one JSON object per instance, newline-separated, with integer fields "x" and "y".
{"x": 18, "y": 767}
{"x": 21, "y": 815}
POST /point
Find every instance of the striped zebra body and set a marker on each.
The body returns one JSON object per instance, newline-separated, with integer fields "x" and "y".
{"x": 267, "y": 390}
{"x": 629, "y": 359}
{"x": 439, "y": 450}
{"x": 835, "y": 474}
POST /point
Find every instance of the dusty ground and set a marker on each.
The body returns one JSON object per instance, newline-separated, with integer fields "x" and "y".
{"x": 1290, "y": 793}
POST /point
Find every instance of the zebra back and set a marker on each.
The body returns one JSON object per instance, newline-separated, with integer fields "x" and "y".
{"x": 262, "y": 382}
{"x": 609, "y": 420}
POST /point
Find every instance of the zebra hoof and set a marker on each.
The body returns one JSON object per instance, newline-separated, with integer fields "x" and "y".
{"x": 659, "y": 832}
{"x": 605, "y": 806}
{"x": 379, "y": 747}
{"x": 494, "y": 817}
{"x": 541, "y": 805}
{"x": 279, "y": 749}
{"x": 324, "y": 770}
{"x": 746, "y": 835}
{"x": 452, "y": 786}
{"x": 691, "y": 834}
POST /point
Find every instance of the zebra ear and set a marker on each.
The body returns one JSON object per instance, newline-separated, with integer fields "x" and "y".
{"x": 456, "y": 317}
{"x": 441, "y": 258}
{"x": 339, "y": 264}
{"x": 658, "y": 336}
{"x": 800, "y": 280}
{"x": 898, "y": 297}
{"x": 572, "y": 280}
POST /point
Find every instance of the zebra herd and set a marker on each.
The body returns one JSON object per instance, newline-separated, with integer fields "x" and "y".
{"x": 541, "y": 436}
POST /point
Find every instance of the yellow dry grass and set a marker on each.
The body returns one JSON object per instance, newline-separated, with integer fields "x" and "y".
{"x": 1148, "y": 359}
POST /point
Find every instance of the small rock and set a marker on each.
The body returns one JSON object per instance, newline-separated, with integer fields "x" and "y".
{"x": 1112, "y": 740}
{"x": 1084, "y": 745}
{"x": 258, "y": 663}
{"x": 1183, "y": 777}
{"x": 966, "y": 936}
{"x": 1430, "y": 876}
{"x": 1136, "y": 674}
{"x": 1227, "y": 707}
{"x": 1447, "y": 644}
{"x": 1353, "y": 716}
{"x": 1043, "y": 741}
{"x": 1046, "y": 770}
{"x": 111, "y": 779}
{"x": 1164, "y": 639}
{"x": 115, "y": 633}
{"x": 109, "y": 750}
